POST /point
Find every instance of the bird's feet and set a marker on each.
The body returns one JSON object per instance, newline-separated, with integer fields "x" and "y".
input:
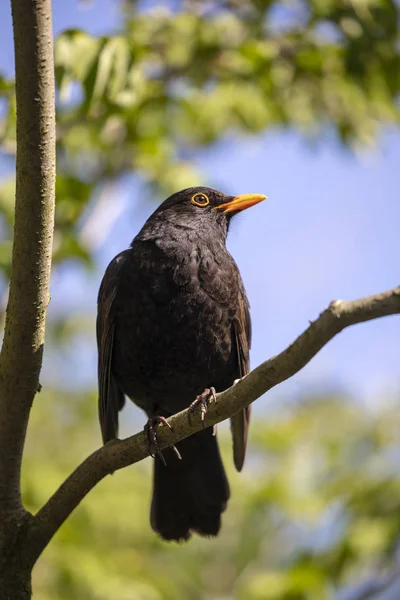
{"x": 152, "y": 441}
{"x": 202, "y": 401}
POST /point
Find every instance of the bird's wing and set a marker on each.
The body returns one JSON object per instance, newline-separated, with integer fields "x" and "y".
{"x": 240, "y": 422}
{"x": 111, "y": 399}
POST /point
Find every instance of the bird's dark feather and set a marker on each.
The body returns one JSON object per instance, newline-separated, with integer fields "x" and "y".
{"x": 190, "y": 494}
{"x": 111, "y": 398}
{"x": 241, "y": 421}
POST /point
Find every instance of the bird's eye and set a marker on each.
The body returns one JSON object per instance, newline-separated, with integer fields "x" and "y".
{"x": 200, "y": 200}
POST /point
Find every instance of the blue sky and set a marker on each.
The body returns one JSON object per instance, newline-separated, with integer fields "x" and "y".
{"x": 329, "y": 229}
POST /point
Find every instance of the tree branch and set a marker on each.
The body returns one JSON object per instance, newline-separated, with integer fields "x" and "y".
{"x": 21, "y": 355}
{"x": 121, "y": 453}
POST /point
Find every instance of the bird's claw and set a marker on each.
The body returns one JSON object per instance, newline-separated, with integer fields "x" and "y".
{"x": 202, "y": 401}
{"x": 176, "y": 451}
{"x": 151, "y": 434}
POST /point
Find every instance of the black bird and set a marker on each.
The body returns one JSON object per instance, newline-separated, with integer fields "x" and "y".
{"x": 173, "y": 323}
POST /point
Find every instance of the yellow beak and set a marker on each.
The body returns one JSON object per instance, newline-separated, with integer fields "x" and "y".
{"x": 240, "y": 203}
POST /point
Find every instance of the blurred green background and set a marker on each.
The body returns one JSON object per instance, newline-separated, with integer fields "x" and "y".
{"x": 315, "y": 511}
{"x": 298, "y": 100}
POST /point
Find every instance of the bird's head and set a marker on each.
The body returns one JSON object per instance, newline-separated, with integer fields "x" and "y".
{"x": 198, "y": 210}
{"x": 203, "y": 207}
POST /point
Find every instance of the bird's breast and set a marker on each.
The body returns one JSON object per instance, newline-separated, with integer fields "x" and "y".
{"x": 174, "y": 323}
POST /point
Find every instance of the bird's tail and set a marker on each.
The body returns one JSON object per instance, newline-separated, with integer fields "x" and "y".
{"x": 189, "y": 494}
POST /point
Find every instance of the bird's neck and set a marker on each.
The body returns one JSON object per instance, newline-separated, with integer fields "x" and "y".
{"x": 170, "y": 232}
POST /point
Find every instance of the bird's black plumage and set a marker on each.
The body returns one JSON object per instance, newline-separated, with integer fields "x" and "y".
{"x": 173, "y": 320}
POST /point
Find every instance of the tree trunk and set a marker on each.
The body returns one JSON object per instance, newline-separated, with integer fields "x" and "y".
{"x": 21, "y": 354}
{"x": 15, "y": 566}
{"x": 15, "y": 583}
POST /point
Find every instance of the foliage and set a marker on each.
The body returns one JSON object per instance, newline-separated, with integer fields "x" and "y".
{"x": 314, "y": 510}
{"x": 173, "y": 81}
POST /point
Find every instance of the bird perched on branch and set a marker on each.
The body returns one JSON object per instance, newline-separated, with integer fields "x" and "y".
{"x": 173, "y": 326}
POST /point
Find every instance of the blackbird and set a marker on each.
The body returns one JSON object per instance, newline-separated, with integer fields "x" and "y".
{"x": 173, "y": 325}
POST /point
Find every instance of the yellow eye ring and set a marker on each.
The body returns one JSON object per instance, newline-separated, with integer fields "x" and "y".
{"x": 200, "y": 200}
